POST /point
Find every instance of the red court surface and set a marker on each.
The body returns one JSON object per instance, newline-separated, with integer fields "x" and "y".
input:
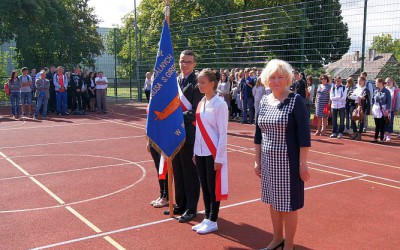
{"x": 85, "y": 182}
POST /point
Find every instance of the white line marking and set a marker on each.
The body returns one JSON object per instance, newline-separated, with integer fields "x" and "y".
{"x": 114, "y": 243}
{"x": 60, "y": 201}
{"x": 335, "y": 182}
{"x": 72, "y": 142}
{"x": 165, "y": 220}
{"x": 83, "y": 219}
{"x": 354, "y": 159}
{"x": 48, "y": 191}
{"x": 67, "y": 171}
{"x": 52, "y": 126}
{"x": 144, "y": 173}
{"x": 353, "y": 172}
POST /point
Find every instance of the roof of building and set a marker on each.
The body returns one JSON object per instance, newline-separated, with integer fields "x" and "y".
{"x": 348, "y": 66}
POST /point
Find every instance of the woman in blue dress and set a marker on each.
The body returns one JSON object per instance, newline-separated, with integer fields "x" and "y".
{"x": 321, "y": 100}
{"x": 282, "y": 141}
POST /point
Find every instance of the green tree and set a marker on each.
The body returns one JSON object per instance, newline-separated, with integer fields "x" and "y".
{"x": 241, "y": 33}
{"x": 50, "y": 31}
{"x": 386, "y": 44}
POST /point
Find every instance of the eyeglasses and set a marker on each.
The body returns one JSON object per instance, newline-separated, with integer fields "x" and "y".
{"x": 185, "y": 62}
{"x": 323, "y": 79}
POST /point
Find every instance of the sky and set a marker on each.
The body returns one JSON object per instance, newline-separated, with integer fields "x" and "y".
{"x": 111, "y": 12}
{"x": 383, "y": 17}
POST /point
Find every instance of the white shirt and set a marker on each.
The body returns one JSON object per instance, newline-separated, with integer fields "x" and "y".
{"x": 214, "y": 115}
{"x": 338, "y": 96}
{"x": 102, "y": 79}
{"x": 311, "y": 90}
{"x": 258, "y": 92}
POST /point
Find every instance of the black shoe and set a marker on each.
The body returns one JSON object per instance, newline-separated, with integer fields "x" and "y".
{"x": 176, "y": 211}
{"x": 187, "y": 216}
{"x": 280, "y": 245}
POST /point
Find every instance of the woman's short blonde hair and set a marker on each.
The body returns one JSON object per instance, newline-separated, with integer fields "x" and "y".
{"x": 276, "y": 65}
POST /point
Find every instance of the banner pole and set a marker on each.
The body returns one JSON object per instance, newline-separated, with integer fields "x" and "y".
{"x": 170, "y": 187}
{"x": 167, "y": 10}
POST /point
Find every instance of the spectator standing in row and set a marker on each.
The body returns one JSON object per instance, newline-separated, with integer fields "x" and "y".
{"x": 299, "y": 85}
{"x": 76, "y": 85}
{"x": 33, "y": 76}
{"x": 42, "y": 94}
{"x": 322, "y": 99}
{"x": 235, "y": 111}
{"x": 258, "y": 93}
{"x": 381, "y": 106}
{"x": 15, "y": 93}
{"x": 223, "y": 88}
{"x": 361, "y": 96}
{"x": 338, "y": 95}
{"x": 147, "y": 86}
{"x": 26, "y": 92}
{"x": 246, "y": 87}
{"x": 370, "y": 88}
{"x": 91, "y": 88}
{"x": 61, "y": 85}
{"x": 310, "y": 94}
{"x": 52, "y": 104}
{"x": 101, "y": 92}
{"x": 350, "y": 105}
{"x": 395, "y": 96}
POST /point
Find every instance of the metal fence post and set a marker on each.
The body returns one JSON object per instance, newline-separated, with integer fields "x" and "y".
{"x": 364, "y": 32}
{"x": 130, "y": 64}
{"x": 137, "y": 57}
{"x": 115, "y": 63}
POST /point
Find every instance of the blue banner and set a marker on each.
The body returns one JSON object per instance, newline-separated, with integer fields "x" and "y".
{"x": 165, "y": 126}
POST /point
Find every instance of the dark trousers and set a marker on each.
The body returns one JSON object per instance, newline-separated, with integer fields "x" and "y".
{"x": 76, "y": 100}
{"x": 163, "y": 183}
{"x": 147, "y": 92}
{"x": 51, "y": 105}
{"x": 248, "y": 103}
{"x": 379, "y": 128}
{"x": 61, "y": 102}
{"x": 205, "y": 166}
{"x": 335, "y": 113}
{"x": 187, "y": 185}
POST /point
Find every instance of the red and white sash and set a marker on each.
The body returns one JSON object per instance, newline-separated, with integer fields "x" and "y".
{"x": 186, "y": 105}
{"x": 163, "y": 169}
{"x": 221, "y": 177}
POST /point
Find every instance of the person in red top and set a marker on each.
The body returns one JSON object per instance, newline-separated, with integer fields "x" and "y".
{"x": 61, "y": 85}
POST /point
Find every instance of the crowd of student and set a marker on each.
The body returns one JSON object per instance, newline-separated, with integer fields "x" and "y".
{"x": 242, "y": 90}
{"x": 53, "y": 90}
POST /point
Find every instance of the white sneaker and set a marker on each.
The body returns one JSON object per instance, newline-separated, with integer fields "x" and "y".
{"x": 340, "y": 136}
{"x": 333, "y": 135}
{"x": 208, "y": 227}
{"x": 198, "y": 226}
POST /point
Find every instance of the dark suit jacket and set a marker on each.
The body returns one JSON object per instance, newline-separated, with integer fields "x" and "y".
{"x": 192, "y": 93}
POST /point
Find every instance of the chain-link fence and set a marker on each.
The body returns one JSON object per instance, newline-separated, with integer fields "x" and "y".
{"x": 334, "y": 36}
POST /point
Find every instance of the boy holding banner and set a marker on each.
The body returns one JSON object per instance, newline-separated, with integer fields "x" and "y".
{"x": 210, "y": 149}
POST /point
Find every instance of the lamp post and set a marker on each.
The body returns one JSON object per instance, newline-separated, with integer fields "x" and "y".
{"x": 115, "y": 60}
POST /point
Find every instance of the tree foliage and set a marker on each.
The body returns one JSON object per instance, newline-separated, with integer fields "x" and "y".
{"x": 241, "y": 33}
{"x": 50, "y": 31}
{"x": 386, "y": 44}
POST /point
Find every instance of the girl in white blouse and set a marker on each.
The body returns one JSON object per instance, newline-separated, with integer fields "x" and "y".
{"x": 210, "y": 149}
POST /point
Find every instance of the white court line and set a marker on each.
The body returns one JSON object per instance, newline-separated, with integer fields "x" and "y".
{"x": 341, "y": 169}
{"x": 144, "y": 173}
{"x": 169, "y": 219}
{"x": 72, "y": 142}
{"x": 60, "y": 201}
{"x": 52, "y": 126}
{"x": 353, "y": 172}
{"x": 354, "y": 159}
{"x": 66, "y": 171}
